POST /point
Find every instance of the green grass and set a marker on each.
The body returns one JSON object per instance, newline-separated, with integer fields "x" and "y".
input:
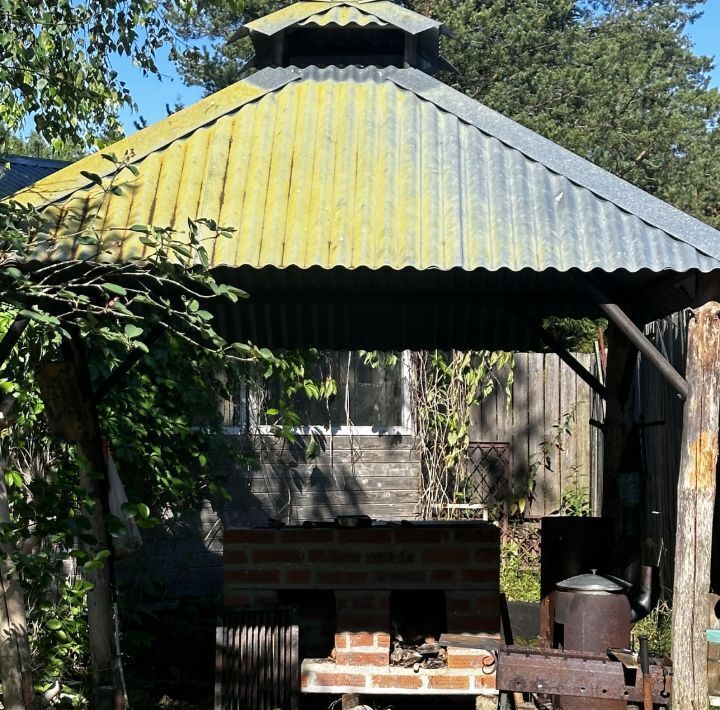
{"x": 519, "y": 580}
{"x": 656, "y": 626}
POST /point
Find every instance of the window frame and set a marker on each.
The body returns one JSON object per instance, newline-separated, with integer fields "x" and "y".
{"x": 246, "y": 426}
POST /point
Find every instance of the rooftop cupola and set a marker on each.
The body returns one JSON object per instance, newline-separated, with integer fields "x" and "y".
{"x": 350, "y": 32}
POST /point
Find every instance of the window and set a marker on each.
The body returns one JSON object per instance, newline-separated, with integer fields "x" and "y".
{"x": 372, "y": 396}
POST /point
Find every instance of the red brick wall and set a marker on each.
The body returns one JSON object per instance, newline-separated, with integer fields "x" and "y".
{"x": 461, "y": 559}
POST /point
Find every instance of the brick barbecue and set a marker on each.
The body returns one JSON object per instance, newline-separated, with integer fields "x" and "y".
{"x": 355, "y": 587}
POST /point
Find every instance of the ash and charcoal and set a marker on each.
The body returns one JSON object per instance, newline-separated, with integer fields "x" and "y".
{"x": 418, "y": 617}
{"x": 420, "y": 653}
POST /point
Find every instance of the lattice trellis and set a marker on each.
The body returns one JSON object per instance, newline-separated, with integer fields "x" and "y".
{"x": 488, "y": 474}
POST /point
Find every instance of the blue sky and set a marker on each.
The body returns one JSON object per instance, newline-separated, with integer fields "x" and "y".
{"x": 152, "y": 94}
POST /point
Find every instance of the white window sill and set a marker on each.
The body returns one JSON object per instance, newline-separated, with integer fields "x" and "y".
{"x": 323, "y": 430}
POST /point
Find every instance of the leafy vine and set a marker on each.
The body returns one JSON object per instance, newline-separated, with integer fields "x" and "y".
{"x": 444, "y": 388}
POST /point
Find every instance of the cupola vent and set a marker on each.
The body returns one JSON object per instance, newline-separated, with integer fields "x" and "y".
{"x": 358, "y": 32}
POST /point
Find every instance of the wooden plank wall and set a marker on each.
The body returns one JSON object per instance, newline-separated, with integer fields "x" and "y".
{"x": 378, "y": 476}
{"x": 656, "y": 401}
{"x": 546, "y": 395}
{"x": 374, "y": 475}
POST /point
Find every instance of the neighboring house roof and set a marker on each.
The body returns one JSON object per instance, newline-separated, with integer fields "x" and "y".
{"x": 369, "y": 202}
{"x": 19, "y": 171}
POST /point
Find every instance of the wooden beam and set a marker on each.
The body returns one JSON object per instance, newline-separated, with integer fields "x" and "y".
{"x": 620, "y": 319}
{"x": 126, "y": 365}
{"x": 15, "y": 659}
{"x": 12, "y": 335}
{"x": 580, "y": 370}
{"x": 641, "y": 342}
{"x": 100, "y": 599}
{"x": 695, "y": 508}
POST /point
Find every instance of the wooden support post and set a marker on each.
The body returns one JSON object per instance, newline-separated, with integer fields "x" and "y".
{"x": 621, "y": 359}
{"x": 695, "y": 507}
{"x": 93, "y": 478}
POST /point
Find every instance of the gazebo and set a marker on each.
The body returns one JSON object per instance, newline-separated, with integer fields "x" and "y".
{"x": 377, "y": 207}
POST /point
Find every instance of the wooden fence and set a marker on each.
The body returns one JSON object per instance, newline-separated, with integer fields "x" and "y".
{"x": 657, "y": 406}
{"x": 553, "y": 448}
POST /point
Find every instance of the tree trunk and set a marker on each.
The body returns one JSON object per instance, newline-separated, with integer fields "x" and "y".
{"x": 696, "y": 498}
{"x": 15, "y": 667}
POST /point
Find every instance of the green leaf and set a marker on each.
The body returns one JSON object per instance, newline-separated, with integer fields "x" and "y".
{"x": 93, "y": 177}
{"x": 122, "y": 308}
{"x": 39, "y": 317}
{"x": 148, "y": 523}
{"x": 133, "y": 331}
{"x": 311, "y": 451}
{"x": 182, "y": 250}
{"x": 141, "y": 228}
{"x": 115, "y": 526}
{"x": 143, "y": 511}
{"x": 87, "y": 239}
{"x": 115, "y": 289}
{"x": 53, "y": 624}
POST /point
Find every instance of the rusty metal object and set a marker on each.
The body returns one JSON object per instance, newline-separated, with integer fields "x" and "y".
{"x": 644, "y": 345}
{"x": 593, "y": 622}
{"x": 257, "y": 664}
{"x": 592, "y": 614}
{"x": 647, "y": 680}
{"x": 569, "y": 546}
{"x": 587, "y": 676}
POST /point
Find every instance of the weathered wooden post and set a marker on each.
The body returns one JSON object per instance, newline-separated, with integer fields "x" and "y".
{"x": 619, "y": 377}
{"x": 695, "y": 504}
{"x": 69, "y": 402}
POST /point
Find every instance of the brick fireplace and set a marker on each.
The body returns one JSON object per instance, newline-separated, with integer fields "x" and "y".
{"x": 360, "y": 590}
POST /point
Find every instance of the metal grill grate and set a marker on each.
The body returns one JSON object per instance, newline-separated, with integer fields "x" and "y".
{"x": 257, "y": 661}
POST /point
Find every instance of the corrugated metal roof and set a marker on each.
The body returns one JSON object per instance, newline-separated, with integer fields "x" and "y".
{"x": 19, "y": 171}
{"x": 297, "y": 13}
{"x": 371, "y": 168}
{"x": 342, "y": 16}
{"x": 158, "y": 136}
